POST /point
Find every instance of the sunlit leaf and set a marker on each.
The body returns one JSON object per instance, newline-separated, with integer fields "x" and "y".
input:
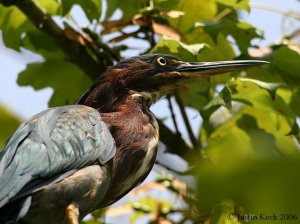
{"x": 239, "y": 4}
{"x": 258, "y": 130}
{"x": 217, "y": 51}
{"x": 177, "y": 48}
{"x": 92, "y": 8}
{"x": 194, "y": 11}
{"x": 67, "y": 80}
{"x": 251, "y": 94}
{"x": 51, "y": 7}
{"x": 270, "y": 87}
{"x": 13, "y": 24}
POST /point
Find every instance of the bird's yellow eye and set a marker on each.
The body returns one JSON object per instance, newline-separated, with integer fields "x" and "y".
{"x": 161, "y": 61}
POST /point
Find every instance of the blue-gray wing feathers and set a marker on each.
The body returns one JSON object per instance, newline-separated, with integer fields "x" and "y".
{"x": 53, "y": 143}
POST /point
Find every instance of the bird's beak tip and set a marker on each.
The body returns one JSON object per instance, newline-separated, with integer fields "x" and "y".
{"x": 218, "y": 66}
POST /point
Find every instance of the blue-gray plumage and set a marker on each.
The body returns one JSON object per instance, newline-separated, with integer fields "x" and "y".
{"x": 53, "y": 144}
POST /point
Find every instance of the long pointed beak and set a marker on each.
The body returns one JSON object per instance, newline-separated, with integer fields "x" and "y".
{"x": 210, "y": 68}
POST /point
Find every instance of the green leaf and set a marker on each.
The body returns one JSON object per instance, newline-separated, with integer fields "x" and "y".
{"x": 92, "y": 8}
{"x": 165, "y": 5}
{"x": 270, "y": 87}
{"x": 264, "y": 120}
{"x": 223, "y": 99}
{"x": 183, "y": 51}
{"x": 13, "y": 24}
{"x": 196, "y": 95}
{"x": 251, "y": 94}
{"x": 286, "y": 61}
{"x": 128, "y": 7}
{"x": 66, "y": 79}
{"x": 216, "y": 51}
{"x": 242, "y": 32}
{"x": 194, "y": 11}
{"x": 40, "y": 43}
{"x": 238, "y": 4}
{"x": 8, "y": 123}
{"x": 52, "y": 7}
{"x": 294, "y": 103}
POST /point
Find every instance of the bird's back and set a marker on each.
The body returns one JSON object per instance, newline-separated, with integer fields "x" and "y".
{"x": 52, "y": 146}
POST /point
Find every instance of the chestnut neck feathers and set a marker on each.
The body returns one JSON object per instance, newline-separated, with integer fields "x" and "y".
{"x": 132, "y": 126}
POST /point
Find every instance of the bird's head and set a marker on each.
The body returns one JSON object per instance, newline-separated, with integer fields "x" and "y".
{"x": 154, "y": 75}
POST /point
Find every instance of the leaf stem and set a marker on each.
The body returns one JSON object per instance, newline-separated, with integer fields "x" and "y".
{"x": 172, "y": 113}
{"x": 193, "y": 139}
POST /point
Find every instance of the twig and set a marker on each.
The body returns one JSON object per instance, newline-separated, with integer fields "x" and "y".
{"x": 186, "y": 121}
{"x": 290, "y": 13}
{"x": 172, "y": 113}
{"x": 170, "y": 169}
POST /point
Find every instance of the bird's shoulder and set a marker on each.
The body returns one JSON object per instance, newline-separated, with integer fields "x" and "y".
{"x": 53, "y": 142}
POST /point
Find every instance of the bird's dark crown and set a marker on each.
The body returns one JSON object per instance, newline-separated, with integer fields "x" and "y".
{"x": 160, "y": 62}
{"x": 153, "y": 75}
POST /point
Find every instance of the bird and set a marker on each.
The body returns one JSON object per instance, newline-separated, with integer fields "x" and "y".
{"x": 65, "y": 162}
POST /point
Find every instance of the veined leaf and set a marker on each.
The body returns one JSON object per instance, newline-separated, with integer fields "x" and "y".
{"x": 177, "y": 48}
{"x": 259, "y": 128}
{"x": 66, "y": 79}
{"x": 270, "y": 87}
{"x": 194, "y": 11}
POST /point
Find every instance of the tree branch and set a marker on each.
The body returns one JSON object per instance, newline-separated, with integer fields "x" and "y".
{"x": 73, "y": 50}
{"x": 172, "y": 113}
{"x": 194, "y": 141}
{"x": 173, "y": 141}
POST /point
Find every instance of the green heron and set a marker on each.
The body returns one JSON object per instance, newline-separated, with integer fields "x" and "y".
{"x": 69, "y": 161}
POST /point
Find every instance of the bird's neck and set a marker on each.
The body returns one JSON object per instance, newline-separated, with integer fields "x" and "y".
{"x": 135, "y": 132}
{"x": 109, "y": 97}
{"x": 105, "y": 98}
